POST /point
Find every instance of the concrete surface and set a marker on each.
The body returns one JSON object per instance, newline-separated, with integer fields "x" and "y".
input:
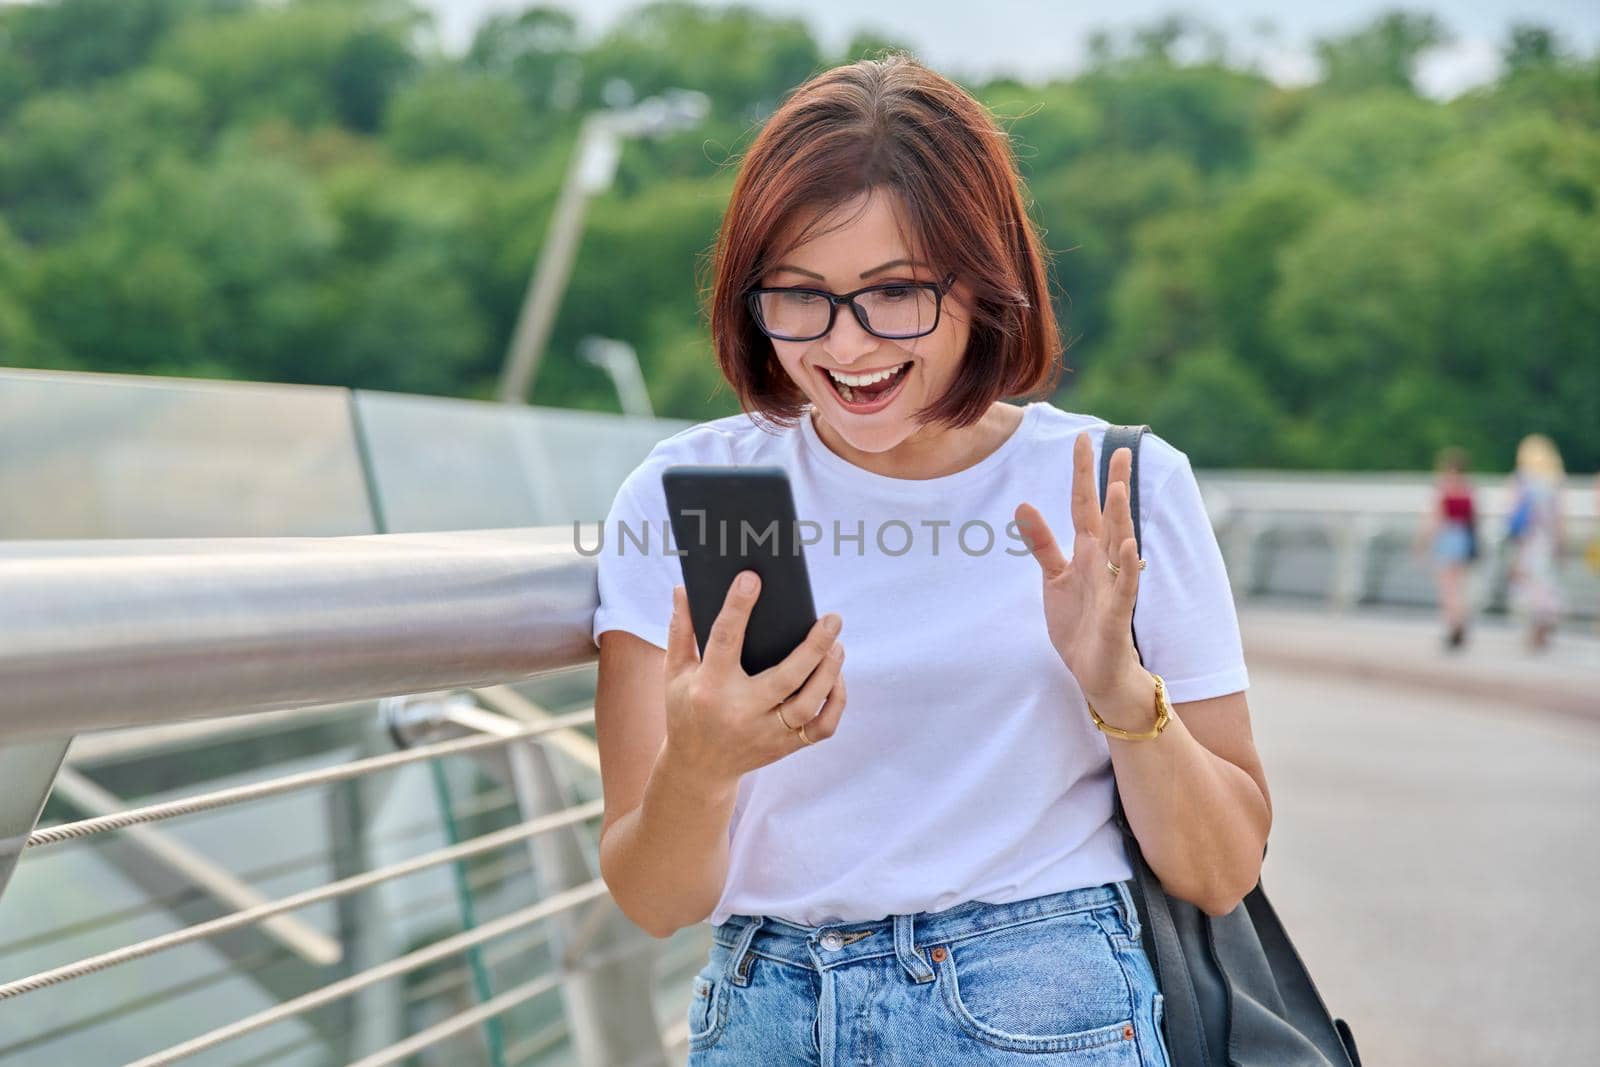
{"x": 1436, "y": 837}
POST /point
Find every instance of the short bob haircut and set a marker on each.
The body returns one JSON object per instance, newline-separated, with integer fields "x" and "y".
{"x": 891, "y": 123}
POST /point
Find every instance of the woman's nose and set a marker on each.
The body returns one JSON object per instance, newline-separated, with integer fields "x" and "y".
{"x": 848, "y": 341}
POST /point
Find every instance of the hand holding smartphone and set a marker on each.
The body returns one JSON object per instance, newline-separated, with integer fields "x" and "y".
{"x": 730, "y": 712}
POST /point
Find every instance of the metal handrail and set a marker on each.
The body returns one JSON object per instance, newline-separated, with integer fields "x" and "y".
{"x": 151, "y": 633}
{"x": 131, "y": 632}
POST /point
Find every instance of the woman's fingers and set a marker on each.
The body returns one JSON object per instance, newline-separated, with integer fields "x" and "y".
{"x": 1125, "y": 587}
{"x": 726, "y": 641}
{"x": 787, "y": 675}
{"x": 1118, "y": 518}
{"x": 682, "y": 655}
{"x": 806, "y": 704}
{"x": 1041, "y": 542}
{"x": 1085, "y": 493}
{"x": 826, "y": 720}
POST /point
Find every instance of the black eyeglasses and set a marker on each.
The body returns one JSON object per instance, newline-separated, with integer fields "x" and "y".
{"x": 895, "y": 311}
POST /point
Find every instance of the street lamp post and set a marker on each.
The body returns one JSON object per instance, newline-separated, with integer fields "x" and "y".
{"x": 621, "y": 362}
{"x": 594, "y": 165}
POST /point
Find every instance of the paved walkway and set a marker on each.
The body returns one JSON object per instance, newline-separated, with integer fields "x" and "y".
{"x": 1406, "y": 649}
{"x": 1436, "y": 834}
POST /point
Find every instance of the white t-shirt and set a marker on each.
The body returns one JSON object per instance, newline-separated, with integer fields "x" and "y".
{"x": 965, "y": 766}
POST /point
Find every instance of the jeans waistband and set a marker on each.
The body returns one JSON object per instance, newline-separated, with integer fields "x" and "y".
{"x": 832, "y": 944}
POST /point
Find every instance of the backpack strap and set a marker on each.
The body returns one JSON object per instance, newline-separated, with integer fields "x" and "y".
{"x": 1183, "y": 1027}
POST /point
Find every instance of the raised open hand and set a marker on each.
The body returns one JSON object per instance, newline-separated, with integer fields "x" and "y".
{"x": 1088, "y": 610}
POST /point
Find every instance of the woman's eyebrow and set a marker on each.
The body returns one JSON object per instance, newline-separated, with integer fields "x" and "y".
{"x": 865, "y": 274}
{"x": 892, "y": 263}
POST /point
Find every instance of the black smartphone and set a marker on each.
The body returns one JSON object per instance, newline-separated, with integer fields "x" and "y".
{"x": 732, "y": 518}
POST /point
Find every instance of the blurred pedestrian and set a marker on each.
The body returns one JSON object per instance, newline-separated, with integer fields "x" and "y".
{"x": 1534, "y": 532}
{"x": 1452, "y": 531}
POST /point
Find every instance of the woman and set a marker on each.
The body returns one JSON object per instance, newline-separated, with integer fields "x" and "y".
{"x": 1452, "y": 530}
{"x": 934, "y": 877}
{"x": 1536, "y": 537}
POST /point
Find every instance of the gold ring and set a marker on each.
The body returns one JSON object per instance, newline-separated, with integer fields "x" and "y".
{"x": 781, "y": 719}
{"x": 801, "y": 730}
{"x": 1116, "y": 568}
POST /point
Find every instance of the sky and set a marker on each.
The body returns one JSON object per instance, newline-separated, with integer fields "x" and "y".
{"x": 1036, "y": 38}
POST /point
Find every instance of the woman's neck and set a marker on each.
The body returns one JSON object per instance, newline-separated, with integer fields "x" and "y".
{"x": 943, "y": 452}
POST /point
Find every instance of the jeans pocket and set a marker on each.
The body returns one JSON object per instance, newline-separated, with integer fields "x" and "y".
{"x": 707, "y": 1016}
{"x": 708, "y": 1009}
{"x": 1047, "y": 985}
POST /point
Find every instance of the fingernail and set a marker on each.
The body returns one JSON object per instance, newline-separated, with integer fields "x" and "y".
{"x": 831, "y": 624}
{"x": 836, "y": 652}
{"x": 747, "y": 582}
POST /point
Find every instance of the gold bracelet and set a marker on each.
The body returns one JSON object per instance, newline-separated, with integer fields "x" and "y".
{"x": 1163, "y": 715}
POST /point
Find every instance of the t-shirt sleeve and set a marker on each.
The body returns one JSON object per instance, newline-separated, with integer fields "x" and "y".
{"x": 636, "y": 569}
{"x": 1187, "y": 627}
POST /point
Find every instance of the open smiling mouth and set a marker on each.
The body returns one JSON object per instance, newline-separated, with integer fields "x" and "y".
{"x": 872, "y": 396}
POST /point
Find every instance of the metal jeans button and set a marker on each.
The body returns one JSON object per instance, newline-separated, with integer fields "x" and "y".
{"x": 832, "y": 941}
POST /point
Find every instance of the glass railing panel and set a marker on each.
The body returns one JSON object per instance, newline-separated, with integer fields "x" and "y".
{"x": 114, "y": 455}
{"x": 446, "y": 464}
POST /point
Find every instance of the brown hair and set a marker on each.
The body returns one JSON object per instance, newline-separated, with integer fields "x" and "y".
{"x": 891, "y": 123}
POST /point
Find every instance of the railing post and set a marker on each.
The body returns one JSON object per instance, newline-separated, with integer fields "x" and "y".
{"x": 1238, "y": 543}
{"x": 610, "y": 1010}
{"x": 28, "y": 771}
{"x": 1352, "y": 537}
{"x": 375, "y": 1017}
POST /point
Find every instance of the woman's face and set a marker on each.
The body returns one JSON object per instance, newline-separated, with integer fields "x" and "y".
{"x": 869, "y": 250}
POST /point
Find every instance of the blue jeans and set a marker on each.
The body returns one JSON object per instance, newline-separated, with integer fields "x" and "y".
{"x": 1055, "y": 979}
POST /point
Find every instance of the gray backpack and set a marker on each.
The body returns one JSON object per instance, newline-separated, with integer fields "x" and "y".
{"x": 1236, "y": 992}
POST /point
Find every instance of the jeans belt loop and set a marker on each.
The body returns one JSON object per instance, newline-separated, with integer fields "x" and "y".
{"x": 1130, "y": 911}
{"x": 737, "y": 972}
{"x": 905, "y": 948}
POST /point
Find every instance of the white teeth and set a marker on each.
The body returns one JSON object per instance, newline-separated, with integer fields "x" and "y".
{"x": 864, "y": 379}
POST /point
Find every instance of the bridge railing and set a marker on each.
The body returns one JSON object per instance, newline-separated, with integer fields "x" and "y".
{"x": 1348, "y": 540}
{"x": 200, "y": 639}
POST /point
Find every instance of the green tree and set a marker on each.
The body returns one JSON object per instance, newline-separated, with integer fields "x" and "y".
{"x": 1381, "y": 55}
{"x": 1341, "y": 274}
{"x": 78, "y": 42}
{"x": 20, "y": 343}
{"x": 1089, "y": 212}
{"x": 1461, "y": 307}
{"x": 1206, "y": 113}
{"x": 62, "y": 150}
{"x": 1363, "y": 142}
{"x": 192, "y": 264}
{"x": 1050, "y": 126}
{"x": 335, "y": 61}
{"x": 475, "y": 118}
{"x": 1531, "y": 47}
{"x": 538, "y": 49}
{"x": 744, "y": 60}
